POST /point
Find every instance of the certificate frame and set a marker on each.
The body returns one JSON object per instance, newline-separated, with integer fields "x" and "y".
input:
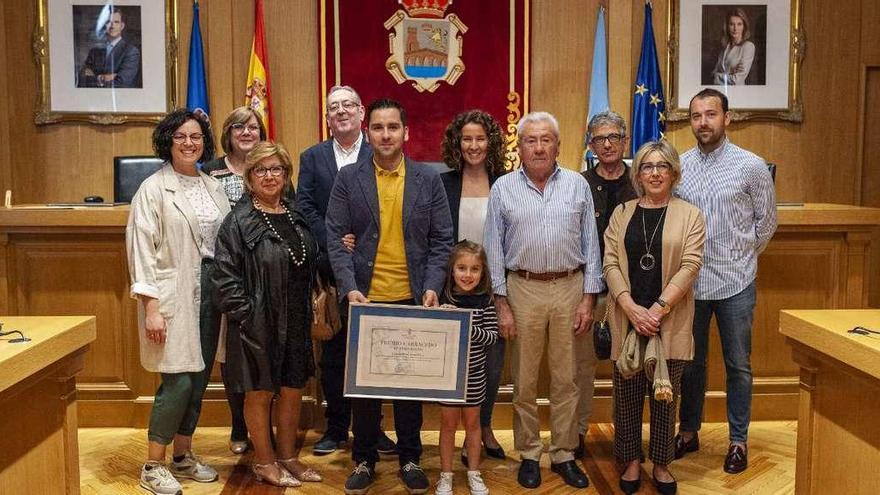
{"x": 407, "y": 352}
{"x": 773, "y": 89}
{"x": 69, "y": 34}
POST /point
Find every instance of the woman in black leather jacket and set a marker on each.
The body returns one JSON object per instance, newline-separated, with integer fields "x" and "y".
{"x": 266, "y": 263}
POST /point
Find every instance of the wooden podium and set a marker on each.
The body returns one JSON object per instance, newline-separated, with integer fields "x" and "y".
{"x": 838, "y": 445}
{"x": 38, "y": 423}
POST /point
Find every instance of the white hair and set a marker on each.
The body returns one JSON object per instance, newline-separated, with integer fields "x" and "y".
{"x": 535, "y": 117}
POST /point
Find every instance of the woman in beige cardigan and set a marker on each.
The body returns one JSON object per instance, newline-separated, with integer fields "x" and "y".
{"x": 653, "y": 251}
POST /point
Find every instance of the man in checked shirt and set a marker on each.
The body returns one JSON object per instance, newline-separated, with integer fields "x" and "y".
{"x": 734, "y": 190}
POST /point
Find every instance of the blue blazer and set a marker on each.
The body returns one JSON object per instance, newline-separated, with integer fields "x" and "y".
{"x": 427, "y": 227}
{"x": 317, "y": 171}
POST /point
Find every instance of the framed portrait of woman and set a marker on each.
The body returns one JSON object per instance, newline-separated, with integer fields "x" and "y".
{"x": 751, "y": 50}
{"x": 93, "y": 56}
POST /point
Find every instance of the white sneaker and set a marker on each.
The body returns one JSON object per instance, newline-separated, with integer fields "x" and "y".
{"x": 191, "y": 467}
{"x": 476, "y": 484}
{"x": 156, "y": 478}
{"x": 444, "y": 484}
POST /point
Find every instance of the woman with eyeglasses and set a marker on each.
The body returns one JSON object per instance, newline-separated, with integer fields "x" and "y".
{"x": 242, "y": 130}
{"x": 653, "y": 252}
{"x": 172, "y": 226}
{"x": 266, "y": 260}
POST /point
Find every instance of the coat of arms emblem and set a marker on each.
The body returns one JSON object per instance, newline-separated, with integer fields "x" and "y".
{"x": 425, "y": 47}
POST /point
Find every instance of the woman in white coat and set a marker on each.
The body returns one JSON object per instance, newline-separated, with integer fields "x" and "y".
{"x": 738, "y": 53}
{"x": 173, "y": 223}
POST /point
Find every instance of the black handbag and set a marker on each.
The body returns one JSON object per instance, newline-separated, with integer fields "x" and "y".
{"x": 602, "y": 334}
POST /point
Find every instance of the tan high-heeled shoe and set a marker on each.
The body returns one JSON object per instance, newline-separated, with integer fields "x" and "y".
{"x": 263, "y": 472}
{"x": 300, "y": 471}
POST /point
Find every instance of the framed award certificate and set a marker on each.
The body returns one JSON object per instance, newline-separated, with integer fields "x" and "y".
{"x": 407, "y": 352}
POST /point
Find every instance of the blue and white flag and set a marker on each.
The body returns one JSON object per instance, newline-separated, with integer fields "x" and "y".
{"x": 197, "y": 83}
{"x": 598, "y": 80}
{"x": 649, "y": 104}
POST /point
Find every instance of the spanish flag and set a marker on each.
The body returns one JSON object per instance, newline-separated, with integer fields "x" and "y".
{"x": 258, "y": 95}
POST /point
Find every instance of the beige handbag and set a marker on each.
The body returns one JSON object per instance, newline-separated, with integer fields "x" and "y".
{"x": 325, "y": 311}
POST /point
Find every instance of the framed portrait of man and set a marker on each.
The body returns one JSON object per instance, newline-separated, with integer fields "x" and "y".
{"x": 751, "y": 50}
{"x": 105, "y": 62}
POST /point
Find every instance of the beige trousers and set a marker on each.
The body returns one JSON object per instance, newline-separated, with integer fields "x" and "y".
{"x": 544, "y": 316}
{"x": 585, "y": 356}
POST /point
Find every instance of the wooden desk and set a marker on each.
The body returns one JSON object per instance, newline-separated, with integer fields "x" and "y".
{"x": 838, "y": 445}
{"x": 38, "y": 403}
{"x": 75, "y": 259}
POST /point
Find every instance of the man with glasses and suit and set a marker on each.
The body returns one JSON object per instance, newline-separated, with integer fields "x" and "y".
{"x": 318, "y": 166}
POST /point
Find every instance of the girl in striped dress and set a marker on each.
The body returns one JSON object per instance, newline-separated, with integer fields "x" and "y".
{"x": 468, "y": 285}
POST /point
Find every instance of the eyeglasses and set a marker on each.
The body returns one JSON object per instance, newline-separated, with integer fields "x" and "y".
{"x": 263, "y": 171}
{"x": 611, "y": 138}
{"x": 240, "y": 127}
{"x": 348, "y": 105}
{"x": 180, "y": 138}
{"x": 649, "y": 168}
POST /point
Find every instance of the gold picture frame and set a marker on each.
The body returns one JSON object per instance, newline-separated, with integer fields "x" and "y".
{"x": 768, "y": 88}
{"x": 91, "y": 60}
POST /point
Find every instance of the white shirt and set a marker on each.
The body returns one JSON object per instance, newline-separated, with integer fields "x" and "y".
{"x": 350, "y": 156}
{"x": 206, "y": 211}
{"x": 472, "y": 218}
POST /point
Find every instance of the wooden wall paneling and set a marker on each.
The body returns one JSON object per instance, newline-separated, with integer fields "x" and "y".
{"x": 293, "y": 56}
{"x": 5, "y": 144}
{"x": 66, "y": 162}
{"x": 869, "y": 149}
{"x": 562, "y": 47}
{"x": 50, "y": 274}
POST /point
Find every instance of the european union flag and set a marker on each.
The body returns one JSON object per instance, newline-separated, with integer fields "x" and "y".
{"x": 197, "y": 83}
{"x": 649, "y": 105}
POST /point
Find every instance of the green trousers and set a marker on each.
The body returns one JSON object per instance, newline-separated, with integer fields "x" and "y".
{"x": 178, "y": 401}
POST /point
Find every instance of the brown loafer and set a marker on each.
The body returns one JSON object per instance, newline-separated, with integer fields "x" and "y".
{"x": 737, "y": 459}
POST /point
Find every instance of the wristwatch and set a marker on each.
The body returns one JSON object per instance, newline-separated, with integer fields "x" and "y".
{"x": 665, "y": 308}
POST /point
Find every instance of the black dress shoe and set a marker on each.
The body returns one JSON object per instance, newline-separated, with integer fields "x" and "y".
{"x": 571, "y": 474}
{"x": 529, "y": 474}
{"x": 682, "y": 447}
{"x": 630, "y": 486}
{"x": 579, "y": 451}
{"x": 737, "y": 459}
{"x": 497, "y": 453}
{"x": 385, "y": 445}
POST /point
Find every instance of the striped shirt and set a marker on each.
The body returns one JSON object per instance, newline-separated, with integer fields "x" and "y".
{"x": 541, "y": 232}
{"x": 484, "y": 333}
{"x": 734, "y": 190}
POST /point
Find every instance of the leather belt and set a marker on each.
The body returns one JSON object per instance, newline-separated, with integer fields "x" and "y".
{"x": 547, "y": 276}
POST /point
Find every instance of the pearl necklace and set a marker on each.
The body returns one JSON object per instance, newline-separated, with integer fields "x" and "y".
{"x": 302, "y": 246}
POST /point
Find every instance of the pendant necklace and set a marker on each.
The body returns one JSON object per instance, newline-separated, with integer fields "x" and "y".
{"x": 647, "y": 261}
{"x": 302, "y": 247}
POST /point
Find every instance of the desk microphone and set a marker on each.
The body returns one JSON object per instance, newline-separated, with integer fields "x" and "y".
{"x": 21, "y": 338}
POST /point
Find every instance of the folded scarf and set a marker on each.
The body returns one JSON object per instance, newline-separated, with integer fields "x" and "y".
{"x": 641, "y": 353}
